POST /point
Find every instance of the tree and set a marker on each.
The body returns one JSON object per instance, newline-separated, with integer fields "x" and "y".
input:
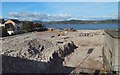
{"x": 27, "y": 25}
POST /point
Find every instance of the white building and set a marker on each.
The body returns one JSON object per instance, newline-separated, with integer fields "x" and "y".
{"x": 13, "y": 26}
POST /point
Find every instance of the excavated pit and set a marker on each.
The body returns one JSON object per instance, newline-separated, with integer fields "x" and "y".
{"x": 38, "y": 52}
{"x": 35, "y": 55}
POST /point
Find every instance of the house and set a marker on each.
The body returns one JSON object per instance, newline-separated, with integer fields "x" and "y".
{"x": 111, "y": 51}
{"x": 13, "y": 26}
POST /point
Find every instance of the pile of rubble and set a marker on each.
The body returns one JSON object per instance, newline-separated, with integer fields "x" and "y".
{"x": 17, "y": 51}
{"x": 51, "y": 52}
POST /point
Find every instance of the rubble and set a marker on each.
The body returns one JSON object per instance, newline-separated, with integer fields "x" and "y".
{"x": 32, "y": 49}
{"x": 37, "y": 52}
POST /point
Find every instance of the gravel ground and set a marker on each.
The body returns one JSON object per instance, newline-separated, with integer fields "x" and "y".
{"x": 88, "y": 53}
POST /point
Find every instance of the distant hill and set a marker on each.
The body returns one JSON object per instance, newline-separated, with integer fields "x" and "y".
{"x": 82, "y": 22}
{"x": 73, "y": 21}
{"x": 37, "y": 21}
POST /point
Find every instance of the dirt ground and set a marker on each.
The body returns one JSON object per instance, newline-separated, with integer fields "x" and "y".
{"x": 87, "y": 55}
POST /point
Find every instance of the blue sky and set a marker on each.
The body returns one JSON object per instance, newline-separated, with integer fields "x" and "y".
{"x": 59, "y": 10}
{"x": 60, "y": 0}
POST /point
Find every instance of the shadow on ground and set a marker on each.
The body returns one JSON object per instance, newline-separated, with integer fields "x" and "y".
{"x": 19, "y": 65}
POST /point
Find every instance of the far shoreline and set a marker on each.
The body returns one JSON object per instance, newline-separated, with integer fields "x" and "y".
{"x": 54, "y": 30}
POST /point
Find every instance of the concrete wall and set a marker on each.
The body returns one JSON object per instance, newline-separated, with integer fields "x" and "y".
{"x": 111, "y": 51}
{"x": 108, "y": 45}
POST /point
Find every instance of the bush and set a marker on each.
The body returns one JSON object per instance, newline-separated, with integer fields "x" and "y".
{"x": 37, "y": 25}
{"x": 27, "y": 25}
{"x": 30, "y": 26}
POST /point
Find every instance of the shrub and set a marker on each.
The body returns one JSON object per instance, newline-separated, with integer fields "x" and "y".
{"x": 37, "y": 25}
{"x": 27, "y": 25}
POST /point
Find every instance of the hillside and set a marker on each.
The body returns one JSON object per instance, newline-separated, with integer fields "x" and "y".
{"x": 82, "y": 22}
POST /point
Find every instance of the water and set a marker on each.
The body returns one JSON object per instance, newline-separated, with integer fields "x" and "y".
{"x": 83, "y": 26}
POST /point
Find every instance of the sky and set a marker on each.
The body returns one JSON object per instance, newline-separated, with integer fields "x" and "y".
{"x": 60, "y": 0}
{"x": 50, "y": 11}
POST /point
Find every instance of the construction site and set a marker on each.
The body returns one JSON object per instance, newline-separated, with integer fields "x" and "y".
{"x": 54, "y": 51}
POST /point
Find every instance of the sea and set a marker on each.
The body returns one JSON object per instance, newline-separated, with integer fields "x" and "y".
{"x": 84, "y": 26}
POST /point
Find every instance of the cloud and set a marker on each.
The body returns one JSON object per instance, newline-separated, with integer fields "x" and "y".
{"x": 55, "y": 17}
{"x": 98, "y": 17}
{"x": 38, "y": 16}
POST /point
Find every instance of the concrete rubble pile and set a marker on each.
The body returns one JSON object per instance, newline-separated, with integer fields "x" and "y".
{"x": 17, "y": 51}
{"x": 51, "y": 52}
